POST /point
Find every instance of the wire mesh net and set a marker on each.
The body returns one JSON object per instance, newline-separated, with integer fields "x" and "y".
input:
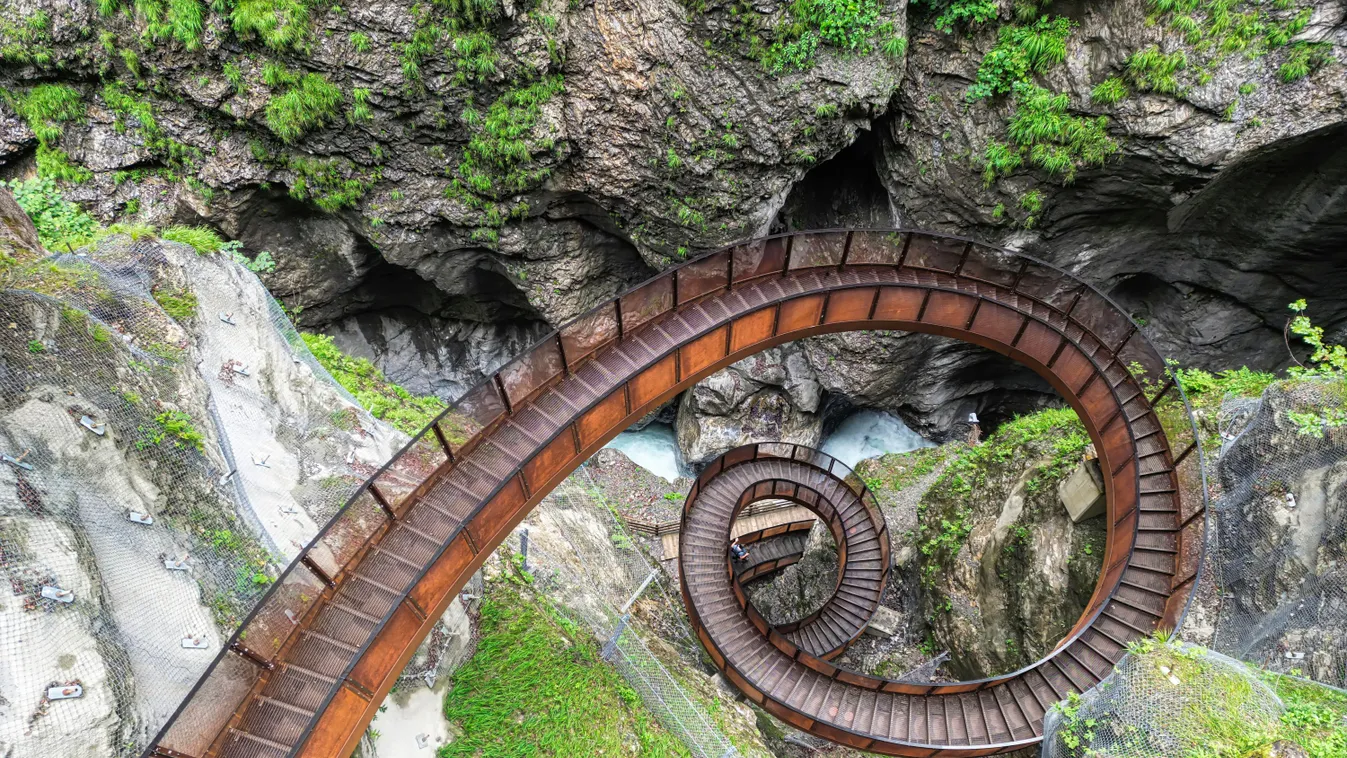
{"x": 587, "y": 562}
{"x": 1276, "y": 554}
{"x": 168, "y": 445}
{"x": 1279, "y": 540}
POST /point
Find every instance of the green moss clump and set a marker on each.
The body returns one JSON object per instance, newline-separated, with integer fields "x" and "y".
{"x": 536, "y": 686}
{"x": 179, "y": 304}
{"x": 382, "y": 398}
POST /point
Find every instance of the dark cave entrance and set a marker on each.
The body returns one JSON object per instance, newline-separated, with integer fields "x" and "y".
{"x": 844, "y": 190}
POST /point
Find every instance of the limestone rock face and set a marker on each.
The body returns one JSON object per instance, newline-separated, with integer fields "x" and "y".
{"x": 803, "y": 587}
{"x": 1002, "y": 569}
{"x": 1214, "y": 196}
{"x": 770, "y": 397}
{"x": 659, "y": 141}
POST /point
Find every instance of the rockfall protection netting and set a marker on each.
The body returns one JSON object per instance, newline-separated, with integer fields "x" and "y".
{"x": 169, "y": 444}
{"x": 584, "y": 558}
{"x": 1162, "y": 703}
{"x": 1275, "y": 597}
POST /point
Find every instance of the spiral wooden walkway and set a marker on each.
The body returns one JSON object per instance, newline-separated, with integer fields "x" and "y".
{"x": 311, "y": 665}
{"x": 816, "y": 481}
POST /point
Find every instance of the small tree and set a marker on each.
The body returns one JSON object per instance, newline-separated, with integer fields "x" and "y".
{"x": 1328, "y": 363}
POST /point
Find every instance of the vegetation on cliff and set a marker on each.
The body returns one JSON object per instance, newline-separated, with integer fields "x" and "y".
{"x": 537, "y": 686}
{"x": 385, "y": 400}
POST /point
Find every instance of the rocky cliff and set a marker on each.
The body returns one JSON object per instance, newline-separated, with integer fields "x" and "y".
{"x": 439, "y": 182}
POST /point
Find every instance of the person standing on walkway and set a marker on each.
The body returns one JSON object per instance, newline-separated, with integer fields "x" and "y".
{"x": 974, "y": 430}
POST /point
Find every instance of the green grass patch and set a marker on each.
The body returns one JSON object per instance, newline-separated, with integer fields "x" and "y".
{"x": 537, "y": 687}
{"x": 329, "y": 183}
{"x": 500, "y": 158}
{"x": 382, "y": 398}
{"x": 279, "y": 24}
{"x": 47, "y": 107}
{"x": 309, "y": 102}
{"x": 203, "y": 239}
{"x": 895, "y": 472}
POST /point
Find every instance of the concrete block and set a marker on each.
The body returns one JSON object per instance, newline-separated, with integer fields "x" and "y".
{"x": 885, "y": 623}
{"x": 1082, "y": 492}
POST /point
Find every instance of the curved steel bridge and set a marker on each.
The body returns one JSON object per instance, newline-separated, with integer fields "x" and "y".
{"x": 308, "y": 669}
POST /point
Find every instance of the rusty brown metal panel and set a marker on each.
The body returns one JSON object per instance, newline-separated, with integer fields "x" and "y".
{"x": 1039, "y": 342}
{"x": 339, "y": 727}
{"x": 759, "y": 258}
{"x": 751, "y": 329}
{"x": 443, "y": 576}
{"x": 653, "y": 382}
{"x": 948, "y": 309}
{"x": 850, "y": 305}
{"x": 1101, "y": 406}
{"x": 875, "y": 248}
{"x": 799, "y": 314}
{"x": 813, "y": 250}
{"x": 551, "y": 459}
{"x": 703, "y": 277}
{"x": 703, "y": 352}
{"x": 589, "y": 333}
{"x": 499, "y": 512}
{"x": 899, "y": 303}
{"x": 997, "y": 323}
{"x": 381, "y": 658}
{"x": 1117, "y": 447}
{"x": 598, "y": 420}
{"x": 1073, "y": 368}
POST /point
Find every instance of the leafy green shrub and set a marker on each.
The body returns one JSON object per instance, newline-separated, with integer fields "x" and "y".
{"x": 966, "y": 13}
{"x": 1109, "y": 91}
{"x": 1019, "y": 52}
{"x": 360, "y": 41}
{"x": 310, "y": 103}
{"x": 382, "y": 398}
{"x": 36, "y": 346}
{"x": 178, "y": 425}
{"x": 60, "y": 223}
{"x": 1328, "y": 363}
{"x": 852, "y": 26}
{"x": 203, "y": 239}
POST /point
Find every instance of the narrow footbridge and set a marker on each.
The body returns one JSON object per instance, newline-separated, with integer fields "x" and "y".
{"x": 311, "y": 665}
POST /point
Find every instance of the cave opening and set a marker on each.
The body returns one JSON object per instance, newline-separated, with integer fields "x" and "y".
{"x": 844, "y": 190}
